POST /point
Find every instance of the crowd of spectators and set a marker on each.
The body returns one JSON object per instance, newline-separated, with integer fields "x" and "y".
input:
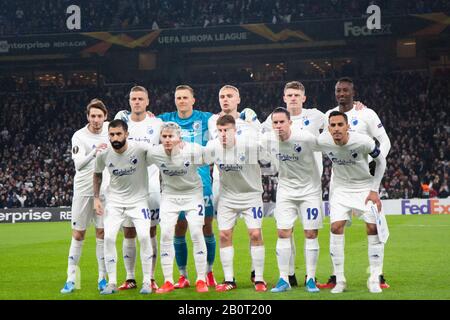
{"x": 36, "y": 169}
{"x": 49, "y": 16}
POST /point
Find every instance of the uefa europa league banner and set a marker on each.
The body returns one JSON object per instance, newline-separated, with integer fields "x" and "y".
{"x": 311, "y": 32}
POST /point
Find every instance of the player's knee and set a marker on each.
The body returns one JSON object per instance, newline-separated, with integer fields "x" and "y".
{"x": 78, "y": 234}
{"x": 337, "y": 228}
{"x": 153, "y": 232}
{"x": 311, "y": 234}
{"x": 181, "y": 228}
{"x": 284, "y": 233}
{"x": 255, "y": 235}
{"x": 371, "y": 229}
{"x": 100, "y": 233}
{"x": 207, "y": 228}
{"x": 129, "y": 233}
{"x": 225, "y": 237}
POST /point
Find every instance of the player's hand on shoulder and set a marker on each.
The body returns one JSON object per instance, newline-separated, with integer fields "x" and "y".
{"x": 123, "y": 115}
{"x": 359, "y": 105}
{"x": 101, "y": 147}
{"x": 248, "y": 115}
{"x": 150, "y": 114}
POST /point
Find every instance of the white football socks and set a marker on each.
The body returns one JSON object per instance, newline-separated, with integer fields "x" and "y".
{"x": 258, "y": 254}
{"x": 283, "y": 250}
{"x": 226, "y": 257}
{"x": 129, "y": 256}
{"x": 74, "y": 258}
{"x": 100, "y": 253}
{"x": 337, "y": 243}
{"x": 311, "y": 255}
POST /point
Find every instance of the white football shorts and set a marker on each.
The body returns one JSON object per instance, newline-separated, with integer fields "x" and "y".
{"x": 308, "y": 211}
{"x": 227, "y": 214}
{"x": 344, "y": 201}
{"x": 154, "y": 199}
{"x": 83, "y": 213}
{"x": 193, "y": 207}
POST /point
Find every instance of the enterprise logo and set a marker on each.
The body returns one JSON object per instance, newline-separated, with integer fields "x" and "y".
{"x": 172, "y": 173}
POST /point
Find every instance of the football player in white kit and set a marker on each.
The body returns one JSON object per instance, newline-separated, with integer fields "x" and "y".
{"x": 362, "y": 120}
{"x": 311, "y": 120}
{"x": 355, "y": 190}
{"x": 127, "y": 199}
{"x": 86, "y": 144}
{"x": 141, "y": 127}
{"x": 240, "y": 192}
{"x": 299, "y": 194}
{"x": 182, "y": 190}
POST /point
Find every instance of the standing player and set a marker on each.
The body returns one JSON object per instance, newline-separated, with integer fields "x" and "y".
{"x": 86, "y": 144}
{"x": 240, "y": 192}
{"x": 141, "y": 127}
{"x": 299, "y": 194}
{"x": 127, "y": 199}
{"x": 229, "y": 99}
{"x": 194, "y": 129}
{"x": 311, "y": 120}
{"x": 182, "y": 190}
{"x": 364, "y": 121}
{"x": 352, "y": 190}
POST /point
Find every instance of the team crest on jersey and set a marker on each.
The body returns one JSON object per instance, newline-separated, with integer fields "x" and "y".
{"x": 354, "y": 154}
{"x": 354, "y": 121}
{"x": 297, "y": 148}
{"x": 150, "y": 130}
{"x": 239, "y": 132}
{"x": 110, "y": 165}
{"x": 75, "y": 149}
{"x": 242, "y": 157}
{"x": 187, "y": 163}
{"x": 306, "y": 121}
{"x": 196, "y": 126}
{"x": 163, "y": 165}
{"x": 133, "y": 159}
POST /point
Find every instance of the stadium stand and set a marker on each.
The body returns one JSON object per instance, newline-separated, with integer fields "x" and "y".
{"x": 48, "y": 16}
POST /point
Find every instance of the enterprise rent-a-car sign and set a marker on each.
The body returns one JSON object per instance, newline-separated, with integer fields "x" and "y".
{"x": 35, "y": 215}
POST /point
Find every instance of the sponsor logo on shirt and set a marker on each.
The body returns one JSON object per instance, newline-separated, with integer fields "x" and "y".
{"x": 124, "y": 172}
{"x": 177, "y": 172}
{"x": 286, "y": 157}
{"x": 230, "y": 167}
{"x": 343, "y": 162}
{"x": 379, "y": 125}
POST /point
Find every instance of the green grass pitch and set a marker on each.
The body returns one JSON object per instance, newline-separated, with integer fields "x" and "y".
{"x": 417, "y": 258}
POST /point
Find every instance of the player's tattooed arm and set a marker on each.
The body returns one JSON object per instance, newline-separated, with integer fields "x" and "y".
{"x": 98, "y": 177}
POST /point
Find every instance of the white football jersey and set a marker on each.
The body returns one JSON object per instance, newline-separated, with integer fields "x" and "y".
{"x": 147, "y": 130}
{"x": 311, "y": 120}
{"x": 364, "y": 121}
{"x": 128, "y": 171}
{"x": 240, "y": 174}
{"x": 350, "y": 165}
{"x": 84, "y": 143}
{"x": 179, "y": 172}
{"x": 243, "y": 128}
{"x": 299, "y": 176}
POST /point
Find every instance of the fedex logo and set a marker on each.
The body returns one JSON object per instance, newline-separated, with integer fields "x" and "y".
{"x": 433, "y": 206}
